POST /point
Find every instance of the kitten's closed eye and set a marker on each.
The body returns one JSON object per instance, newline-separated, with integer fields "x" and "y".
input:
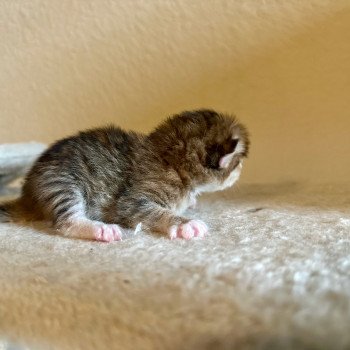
{"x": 220, "y": 155}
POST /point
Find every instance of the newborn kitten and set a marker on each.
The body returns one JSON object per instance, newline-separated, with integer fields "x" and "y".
{"x": 91, "y": 183}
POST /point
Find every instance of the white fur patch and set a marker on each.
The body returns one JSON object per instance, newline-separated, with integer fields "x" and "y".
{"x": 219, "y": 186}
{"x": 240, "y": 148}
{"x": 185, "y": 203}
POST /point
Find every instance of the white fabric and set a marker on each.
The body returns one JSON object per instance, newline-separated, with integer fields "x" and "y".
{"x": 15, "y": 158}
{"x": 273, "y": 274}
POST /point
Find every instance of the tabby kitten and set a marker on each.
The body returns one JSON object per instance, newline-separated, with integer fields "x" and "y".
{"x": 91, "y": 184}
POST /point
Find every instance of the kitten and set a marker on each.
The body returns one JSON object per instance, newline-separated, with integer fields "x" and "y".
{"x": 91, "y": 183}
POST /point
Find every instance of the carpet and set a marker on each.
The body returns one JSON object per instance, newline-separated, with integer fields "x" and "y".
{"x": 274, "y": 273}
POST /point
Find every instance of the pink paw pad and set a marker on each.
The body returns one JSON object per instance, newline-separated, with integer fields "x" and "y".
{"x": 193, "y": 228}
{"x": 107, "y": 233}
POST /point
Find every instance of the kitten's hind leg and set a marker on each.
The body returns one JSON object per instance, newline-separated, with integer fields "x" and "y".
{"x": 84, "y": 228}
{"x": 68, "y": 210}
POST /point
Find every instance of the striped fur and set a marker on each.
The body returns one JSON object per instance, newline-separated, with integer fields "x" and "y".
{"x": 110, "y": 176}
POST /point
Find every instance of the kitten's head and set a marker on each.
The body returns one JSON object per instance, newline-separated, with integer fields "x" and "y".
{"x": 205, "y": 146}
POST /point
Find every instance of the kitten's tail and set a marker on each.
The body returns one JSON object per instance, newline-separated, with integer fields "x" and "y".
{"x": 20, "y": 209}
{"x": 11, "y": 210}
{"x": 7, "y": 210}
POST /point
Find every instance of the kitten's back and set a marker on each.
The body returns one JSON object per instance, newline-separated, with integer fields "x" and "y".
{"x": 90, "y": 165}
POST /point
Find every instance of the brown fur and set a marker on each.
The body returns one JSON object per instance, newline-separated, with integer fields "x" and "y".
{"x": 121, "y": 177}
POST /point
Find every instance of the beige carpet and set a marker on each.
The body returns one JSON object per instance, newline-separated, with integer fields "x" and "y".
{"x": 273, "y": 274}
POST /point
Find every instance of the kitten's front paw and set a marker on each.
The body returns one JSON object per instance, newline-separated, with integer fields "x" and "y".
{"x": 107, "y": 233}
{"x": 193, "y": 228}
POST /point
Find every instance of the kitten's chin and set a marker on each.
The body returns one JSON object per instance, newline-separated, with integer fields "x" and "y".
{"x": 217, "y": 185}
{"x": 233, "y": 177}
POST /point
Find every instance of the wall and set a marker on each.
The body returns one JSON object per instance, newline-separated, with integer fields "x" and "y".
{"x": 282, "y": 66}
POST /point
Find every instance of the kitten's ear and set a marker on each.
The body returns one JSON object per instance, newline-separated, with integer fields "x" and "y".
{"x": 219, "y": 156}
{"x": 225, "y": 161}
{"x": 229, "y": 148}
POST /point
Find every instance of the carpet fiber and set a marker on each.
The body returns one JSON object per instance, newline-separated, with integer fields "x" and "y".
{"x": 273, "y": 274}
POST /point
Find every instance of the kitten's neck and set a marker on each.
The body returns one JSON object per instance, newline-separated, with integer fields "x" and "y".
{"x": 165, "y": 160}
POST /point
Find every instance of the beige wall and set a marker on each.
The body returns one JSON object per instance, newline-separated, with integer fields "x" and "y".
{"x": 282, "y": 66}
